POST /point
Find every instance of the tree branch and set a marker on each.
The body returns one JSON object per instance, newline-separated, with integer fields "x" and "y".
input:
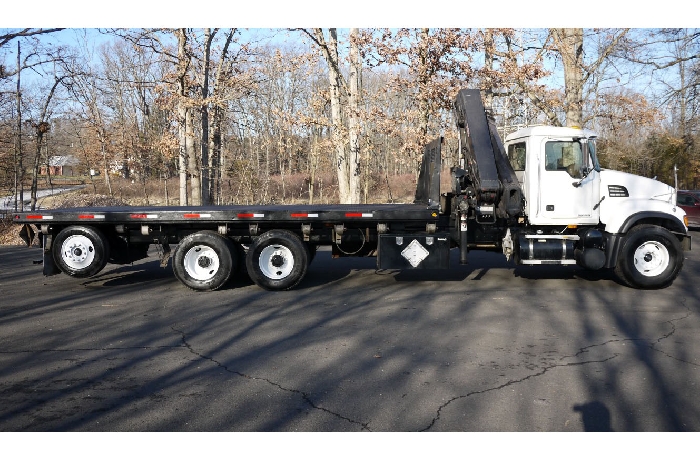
{"x": 27, "y": 32}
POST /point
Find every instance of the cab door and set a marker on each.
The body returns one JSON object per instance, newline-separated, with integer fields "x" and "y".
{"x": 569, "y": 185}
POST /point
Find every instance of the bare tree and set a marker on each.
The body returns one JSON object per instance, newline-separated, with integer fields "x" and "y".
{"x": 569, "y": 44}
{"x": 354, "y": 121}
{"x": 183, "y": 63}
{"x": 214, "y": 142}
{"x": 344, "y": 100}
{"x": 7, "y": 37}
{"x": 41, "y": 127}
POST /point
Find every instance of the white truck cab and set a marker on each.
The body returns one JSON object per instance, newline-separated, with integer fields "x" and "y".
{"x": 618, "y": 220}
{"x": 563, "y": 183}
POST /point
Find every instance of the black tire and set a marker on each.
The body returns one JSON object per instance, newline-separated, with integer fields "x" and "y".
{"x": 204, "y": 260}
{"x": 650, "y": 257}
{"x": 277, "y": 260}
{"x": 80, "y": 251}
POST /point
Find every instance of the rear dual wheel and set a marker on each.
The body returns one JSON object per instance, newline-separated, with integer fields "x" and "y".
{"x": 205, "y": 260}
{"x": 277, "y": 260}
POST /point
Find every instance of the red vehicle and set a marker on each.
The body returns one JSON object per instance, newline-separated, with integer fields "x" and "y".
{"x": 690, "y": 202}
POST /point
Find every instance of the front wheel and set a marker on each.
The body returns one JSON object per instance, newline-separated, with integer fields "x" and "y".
{"x": 204, "y": 260}
{"x": 80, "y": 251}
{"x": 277, "y": 260}
{"x": 651, "y": 257}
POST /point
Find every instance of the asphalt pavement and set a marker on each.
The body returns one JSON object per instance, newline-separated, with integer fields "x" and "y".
{"x": 486, "y": 347}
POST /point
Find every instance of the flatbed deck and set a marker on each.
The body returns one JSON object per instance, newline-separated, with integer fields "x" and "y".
{"x": 232, "y": 214}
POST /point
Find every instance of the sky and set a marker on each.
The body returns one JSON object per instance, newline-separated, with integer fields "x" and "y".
{"x": 267, "y": 14}
{"x": 348, "y": 13}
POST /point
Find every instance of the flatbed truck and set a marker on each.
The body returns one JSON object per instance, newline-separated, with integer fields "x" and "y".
{"x": 539, "y": 197}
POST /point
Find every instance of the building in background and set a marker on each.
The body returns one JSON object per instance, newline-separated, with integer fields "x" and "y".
{"x": 62, "y": 165}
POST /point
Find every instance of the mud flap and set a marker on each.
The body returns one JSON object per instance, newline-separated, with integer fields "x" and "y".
{"x": 27, "y": 234}
{"x": 49, "y": 265}
{"x": 685, "y": 243}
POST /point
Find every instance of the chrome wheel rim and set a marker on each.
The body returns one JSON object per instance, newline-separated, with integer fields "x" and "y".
{"x": 276, "y": 262}
{"x": 78, "y": 252}
{"x": 651, "y": 259}
{"x": 201, "y": 262}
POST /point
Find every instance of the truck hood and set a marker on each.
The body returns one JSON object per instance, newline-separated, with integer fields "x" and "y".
{"x": 620, "y": 184}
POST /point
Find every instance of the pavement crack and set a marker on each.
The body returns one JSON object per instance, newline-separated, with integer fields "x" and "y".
{"x": 304, "y": 396}
{"x": 669, "y": 334}
{"x": 508, "y": 384}
{"x": 651, "y": 345}
{"x": 585, "y": 349}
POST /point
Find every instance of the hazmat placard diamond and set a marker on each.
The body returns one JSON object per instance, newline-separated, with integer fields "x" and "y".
{"x": 414, "y": 253}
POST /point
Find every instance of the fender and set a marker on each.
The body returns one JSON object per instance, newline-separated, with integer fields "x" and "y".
{"x": 668, "y": 221}
{"x": 619, "y": 216}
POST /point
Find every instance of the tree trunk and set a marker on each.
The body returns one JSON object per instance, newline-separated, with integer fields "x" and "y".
{"x": 183, "y": 64}
{"x": 216, "y": 161}
{"x": 354, "y": 104}
{"x": 215, "y": 155}
{"x": 19, "y": 189}
{"x": 194, "y": 167}
{"x": 182, "y": 152}
{"x": 570, "y": 44}
{"x": 35, "y": 165}
{"x": 423, "y": 84}
{"x": 313, "y": 162}
{"x": 489, "y": 52}
{"x": 206, "y": 174}
{"x": 103, "y": 151}
{"x": 330, "y": 52}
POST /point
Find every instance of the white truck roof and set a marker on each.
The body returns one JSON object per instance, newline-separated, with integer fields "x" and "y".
{"x": 544, "y": 130}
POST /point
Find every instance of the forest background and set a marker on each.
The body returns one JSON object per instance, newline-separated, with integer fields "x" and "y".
{"x": 196, "y": 116}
